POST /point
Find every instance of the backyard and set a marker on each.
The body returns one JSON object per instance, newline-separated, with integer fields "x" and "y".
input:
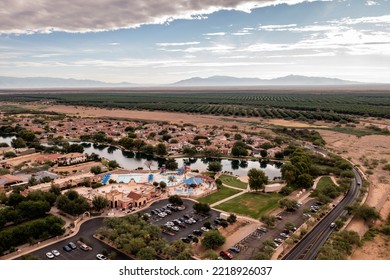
{"x": 252, "y": 205}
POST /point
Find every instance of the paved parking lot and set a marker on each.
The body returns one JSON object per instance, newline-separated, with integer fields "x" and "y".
{"x": 87, "y": 230}
{"x": 251, "y": 244}
{"x": 183, "y": 232}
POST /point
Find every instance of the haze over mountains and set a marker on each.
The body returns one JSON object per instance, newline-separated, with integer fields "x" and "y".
{"x": 214, "y": 81}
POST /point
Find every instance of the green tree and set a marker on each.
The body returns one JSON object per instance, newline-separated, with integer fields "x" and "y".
{"x": 213, "y": 239}
{"x": 232, "y": 219}
{"x": 257, "y": 179}
{"x": 163, "y": 185}
{"x": 72, "y": 203}
{"x": 201, "y": 207}
{"x": 161, "y": 149}
{"x": 305, "y": 181}
{"x": 176, "y": 200}
{"x": 264, "y": 153}
{"x": 99, "y": 202}
{"x": 210, "y": 255}
{"x": 148, "y": 149}
{"x": 268, "y": 220}
{"x": 96, "y": 169}
{"x": 367, "y": 213}
{"x": 240, "y": 149}
{"x": 214, "y": 166}
{"x": 171, "y": 164}
{"x": 18, "y": 143}
{"x": 113, "y": 164}
{"x": 288, "y": 204}
{"x": 237, "y": 136}
{"x": 146, "y": 253}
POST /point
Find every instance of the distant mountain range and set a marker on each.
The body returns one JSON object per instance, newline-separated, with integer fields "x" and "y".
{"x": 44, "y": 82}
{"x": 291, "y": 80}
{"x": 214, "y": 81}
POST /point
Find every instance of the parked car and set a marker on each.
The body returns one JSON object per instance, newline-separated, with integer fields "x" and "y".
{"x": 101, "y": 257}
{"x": 226, "y": 255}
{"x": 235, "y": 249}
{"x": 190, "y": 236}
{"x": 282, "y": 234}
{"x": 278, "y": 240}
{"x": 72, "y": 245}
{"x": 204, "y": 229}
{"x": 263, "y": 229}
{"x": 197, "y": 232}
{"x": 67, "y": 248}
{"x": 186, "y": 217}
{"x": 279, "y": 217}
{"x": 50, "y": 255}
{"x": 175, "y": 228}
{"x": 56, "y": 253}
{"x": 169, "y": 212}
{"x": 185, "y": 240}
{"x": 85, "y": 247}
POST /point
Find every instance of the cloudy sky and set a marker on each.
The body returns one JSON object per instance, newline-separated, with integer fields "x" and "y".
{"x": 162, "y": 41}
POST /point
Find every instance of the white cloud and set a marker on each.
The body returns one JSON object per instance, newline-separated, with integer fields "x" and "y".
{"x": 177, "y": 44}
{"x": 45, "y": 16}
{"x": 113, "y": 44}
{"x": 215, "y": 34}
{"x": 371, "y": 3}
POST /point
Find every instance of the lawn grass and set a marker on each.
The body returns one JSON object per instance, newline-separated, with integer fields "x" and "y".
{"x": 253, "y": 205}
{"x": 324, "y": 181}
{"x": 222, "y": 193}
{"x": 232, "y": 181}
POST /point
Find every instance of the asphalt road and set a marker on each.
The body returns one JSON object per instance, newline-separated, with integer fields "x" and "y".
{"x": 89, "y": 228}
{"x": 308, "y": 247}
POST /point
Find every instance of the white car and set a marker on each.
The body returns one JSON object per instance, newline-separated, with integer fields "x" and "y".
{"x": 162, "y": 214}
{"x": 283, "y": 235}
{"x": 101, "y": 257}
{"x": 55, "y": 253}
{"x": 175, "y": 228}
{"x": 50, "y": 255}
{"x": 204, "y": 229}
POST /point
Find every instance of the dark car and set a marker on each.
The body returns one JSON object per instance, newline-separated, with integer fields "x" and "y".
{"x": 72, "y": 245}
{"x": 67, "y": 248}
{"x": 190, "y": 236}
{"x": 186, "y": 217}
{"x": 197, "y": 232}
{"x": 226, "y": 255}
{"x": 185, "y": 240}
{"x": 234, "y": 249}
{"x": 153, "y": 212}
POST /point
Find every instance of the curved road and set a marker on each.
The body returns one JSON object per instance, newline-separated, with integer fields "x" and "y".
{"x": 308, "y": 247}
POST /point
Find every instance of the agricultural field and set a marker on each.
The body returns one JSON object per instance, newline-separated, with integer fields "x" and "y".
{"x": 282, "y": 104}
{"x": 252, "y": 205}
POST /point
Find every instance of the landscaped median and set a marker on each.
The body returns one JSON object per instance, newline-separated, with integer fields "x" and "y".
{"x": 252, "y": 205}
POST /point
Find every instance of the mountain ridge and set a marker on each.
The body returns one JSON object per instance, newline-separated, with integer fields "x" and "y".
{"x": 213, "y": 81}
